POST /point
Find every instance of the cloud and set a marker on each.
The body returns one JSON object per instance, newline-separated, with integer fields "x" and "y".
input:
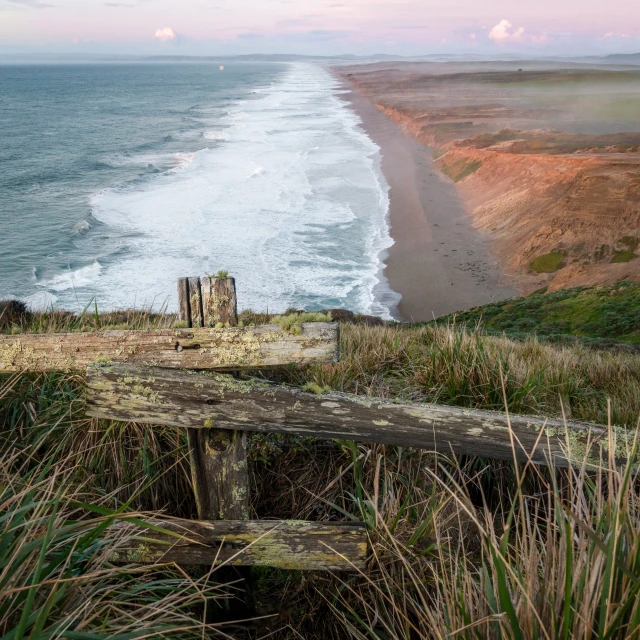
{"x": 502, "y": 33}
{"x": 166, "y": 34}
{"x": 541, "y": 39}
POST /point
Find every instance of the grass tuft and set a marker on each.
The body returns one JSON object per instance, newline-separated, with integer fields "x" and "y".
{"x": 623, "y": 256}
{"x": 292, "y": 322}
{"x": 548, "y": 263}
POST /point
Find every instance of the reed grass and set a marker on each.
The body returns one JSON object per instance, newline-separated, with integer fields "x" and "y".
{"x": 559, "y": 558}
{"x": 57, "y": 573}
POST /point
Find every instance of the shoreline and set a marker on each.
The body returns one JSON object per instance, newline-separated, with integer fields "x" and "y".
{"x": 438, "y": 263}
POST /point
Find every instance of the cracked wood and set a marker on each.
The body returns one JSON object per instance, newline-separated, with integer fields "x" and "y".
{"x": 206, "y": 401}
{"x": 197, "y": 348}
{"x": 285, "y": 544}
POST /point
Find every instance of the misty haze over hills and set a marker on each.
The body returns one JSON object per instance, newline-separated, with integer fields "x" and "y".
{"x": 611, "y": 59}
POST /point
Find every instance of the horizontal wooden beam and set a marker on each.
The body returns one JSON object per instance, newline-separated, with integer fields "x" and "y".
{"x": 198, "y": 348}
{"x": 284, "y": 544}
{"x": 184, "y": 399}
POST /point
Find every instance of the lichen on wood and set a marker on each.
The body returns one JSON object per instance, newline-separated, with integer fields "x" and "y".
{"x": 233, "y": 404}
{"x": 292, "y": 545}
{"x": 197, "y": 348}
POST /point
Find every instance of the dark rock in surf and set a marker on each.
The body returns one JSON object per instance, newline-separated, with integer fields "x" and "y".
{"x": 12, "y": 312}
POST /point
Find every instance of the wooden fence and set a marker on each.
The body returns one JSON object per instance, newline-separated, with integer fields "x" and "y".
{"x": 151, "y": 377}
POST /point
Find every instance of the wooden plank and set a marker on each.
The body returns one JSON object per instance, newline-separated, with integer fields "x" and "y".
{"x": 196, "y": 348}
{"x": 293, "y": 545}
{"x": 184, "y": 308}
{"x": 218, "y": 456}
{"x": 219, "y": 302}
{"x": 194, "y": 400}
{"x": 195, "y": 302}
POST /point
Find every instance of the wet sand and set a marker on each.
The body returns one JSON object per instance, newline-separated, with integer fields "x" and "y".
{"x": 438, "y": 263}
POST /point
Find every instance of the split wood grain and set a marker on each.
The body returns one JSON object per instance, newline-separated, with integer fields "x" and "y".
{"x": 293, "y": 545}
{"x": 195, "y": 303}
{"x": 197, "y": 348}
{"x": 182, "y": 399}
{"x": 219, "y": 302}
{"x": 184, "y": 308}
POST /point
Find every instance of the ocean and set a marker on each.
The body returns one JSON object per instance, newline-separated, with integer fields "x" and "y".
{"x": 117, "y": 179}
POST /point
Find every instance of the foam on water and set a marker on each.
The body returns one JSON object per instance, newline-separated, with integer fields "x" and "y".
{"x": 73, "y": 279}
{"x": 288, "y": 198}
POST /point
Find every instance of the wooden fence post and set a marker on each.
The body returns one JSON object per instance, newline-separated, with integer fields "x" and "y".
{"x": 219, "y": 456}
{"x": 219, "y": 302}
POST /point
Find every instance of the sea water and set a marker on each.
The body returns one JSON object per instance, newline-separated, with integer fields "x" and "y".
{"x": 117, "y": 179}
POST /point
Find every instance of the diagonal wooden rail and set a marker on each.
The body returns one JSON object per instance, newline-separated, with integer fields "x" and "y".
{"x": 196, "y": 401}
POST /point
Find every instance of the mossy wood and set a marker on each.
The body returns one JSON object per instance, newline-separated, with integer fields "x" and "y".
{"x": 197, "y": 348}
{"x": 207, "y": 401}
{"x": 283, "y": 544}
{"x": 218, "y": 456}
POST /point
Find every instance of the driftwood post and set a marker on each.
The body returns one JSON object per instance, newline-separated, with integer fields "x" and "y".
{"x": 219, "y": 456}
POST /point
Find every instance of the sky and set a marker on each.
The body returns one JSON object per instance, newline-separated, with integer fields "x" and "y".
{"x": 320, "y": 27}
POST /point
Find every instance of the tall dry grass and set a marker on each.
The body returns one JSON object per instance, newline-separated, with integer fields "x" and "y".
{"x": 563, "y": 562}
{"x": 460, "y": 547}
{"x": 557, "y": 557}
{"x": 58, "y": 572}
{"x": 456, "y": 365}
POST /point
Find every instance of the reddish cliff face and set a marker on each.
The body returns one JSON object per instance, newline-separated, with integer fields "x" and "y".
{"x": 585, "y": 208}
{"x": 561, "y": 209}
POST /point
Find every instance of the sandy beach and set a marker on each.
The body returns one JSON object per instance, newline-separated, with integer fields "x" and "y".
{"x": 438, "y": 263}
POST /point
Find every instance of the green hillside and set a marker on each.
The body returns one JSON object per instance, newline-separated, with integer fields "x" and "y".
{"x": 597, "y": 315}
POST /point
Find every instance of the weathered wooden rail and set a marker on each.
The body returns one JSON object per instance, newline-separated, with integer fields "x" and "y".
{"x": 142, "y": 376}
{"x": 194, "y": 348}
{"x": 196, "y": 401}
{"x": 285, "y": 544}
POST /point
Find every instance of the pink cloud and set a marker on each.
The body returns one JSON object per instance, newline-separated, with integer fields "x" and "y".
{"x": 502, "y": 32}
{"x": 543, "y": 37}
{"x": 167, "y": 34}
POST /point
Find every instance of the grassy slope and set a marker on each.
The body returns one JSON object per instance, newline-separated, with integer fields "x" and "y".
{"x": 598, "y": 315}
{"x": 441, "y": 560}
